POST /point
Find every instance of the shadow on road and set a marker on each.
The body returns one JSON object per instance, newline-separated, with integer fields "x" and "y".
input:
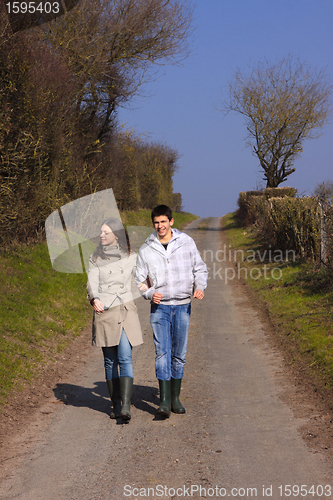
{"x": 145, "y": 398}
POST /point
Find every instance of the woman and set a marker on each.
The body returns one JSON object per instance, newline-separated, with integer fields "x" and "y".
{"x": 116, "y": 326}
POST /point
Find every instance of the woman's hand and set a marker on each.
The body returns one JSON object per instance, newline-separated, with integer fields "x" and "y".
{"x": 143, "y": 287}
{"x": 98, "y": 306}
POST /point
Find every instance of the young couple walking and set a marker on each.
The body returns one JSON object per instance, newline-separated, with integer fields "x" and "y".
{"x": 170, "y": 263}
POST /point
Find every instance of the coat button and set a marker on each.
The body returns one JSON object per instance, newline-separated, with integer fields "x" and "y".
{"x": 110, "y": 272}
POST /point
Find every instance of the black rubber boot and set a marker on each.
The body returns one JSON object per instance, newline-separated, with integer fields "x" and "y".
{"x": 114, "y": 391}
{"x": 126, "y": 390}
{"x": 176, "y": 405}
{"x": 165, "y": 399}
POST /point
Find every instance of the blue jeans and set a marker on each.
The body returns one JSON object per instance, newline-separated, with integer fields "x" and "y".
{"x": 170, "y": 327}
{"x": 121, "y": 355}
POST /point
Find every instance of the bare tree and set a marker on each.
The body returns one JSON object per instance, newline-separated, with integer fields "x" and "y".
{"x": 111, "y": 47}
{"x": 324, "y": 190}
{"x": 283, "y": 104}
{"x": 60, "y": 86}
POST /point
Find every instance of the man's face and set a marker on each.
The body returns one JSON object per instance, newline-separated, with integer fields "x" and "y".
{"x": 163, "y": 226}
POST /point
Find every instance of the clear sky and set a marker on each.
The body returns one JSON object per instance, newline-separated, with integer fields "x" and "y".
{"x": 182, "y": 109}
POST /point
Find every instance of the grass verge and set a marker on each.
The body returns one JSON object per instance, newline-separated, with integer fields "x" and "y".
{"x": 42, "y": 310}
{"x": 298, "y": 296}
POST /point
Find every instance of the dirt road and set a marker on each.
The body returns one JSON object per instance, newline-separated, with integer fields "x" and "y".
{"x": 237, "y": 439}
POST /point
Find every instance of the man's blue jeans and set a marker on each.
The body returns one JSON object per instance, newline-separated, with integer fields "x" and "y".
{"x": 121, "y": 355}
{"x": 170, "y": 326}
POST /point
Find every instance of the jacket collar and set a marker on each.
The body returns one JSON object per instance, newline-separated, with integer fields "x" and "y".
{"x": 153, "y": 241}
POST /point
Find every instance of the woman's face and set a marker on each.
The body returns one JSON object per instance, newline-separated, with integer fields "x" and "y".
{"x": 107, "y": 236}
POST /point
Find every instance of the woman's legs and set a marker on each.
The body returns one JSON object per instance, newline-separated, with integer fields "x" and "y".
{"x": 125, "y": 356}
{"x": 110, "y": 362}
{"x": 119, "y": 388}
{"x": 126, "y": 375}
{"x": 112, "y": 378}
{"x": 118, "y": 355}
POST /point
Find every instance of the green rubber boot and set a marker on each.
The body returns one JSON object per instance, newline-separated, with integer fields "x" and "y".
{"x": 176, "y": 405}
{"x": 114, "y": 391}
{"x": 165, "y": 399}
{"x": 126, "y": 390}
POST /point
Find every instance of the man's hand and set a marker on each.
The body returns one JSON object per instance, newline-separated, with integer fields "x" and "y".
{"x": 98, "y": 306}
{"x": 156, "y": 298}
{"x": 198, "y": 294}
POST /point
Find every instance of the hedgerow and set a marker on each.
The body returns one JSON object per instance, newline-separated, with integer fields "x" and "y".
{"x": 286, "y": 222}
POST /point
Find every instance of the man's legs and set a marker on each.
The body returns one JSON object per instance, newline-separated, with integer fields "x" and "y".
{"x": 180, "y": 322}
{"x": 160, "y": 320}
{"x": 180, "y": 326}
{"x": 170, "y": 326}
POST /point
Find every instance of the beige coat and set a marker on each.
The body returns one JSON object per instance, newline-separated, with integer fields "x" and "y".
{"x": 110, "y": 280}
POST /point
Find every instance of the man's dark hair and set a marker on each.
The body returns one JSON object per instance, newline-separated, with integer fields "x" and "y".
{"x": 161, "y": 210}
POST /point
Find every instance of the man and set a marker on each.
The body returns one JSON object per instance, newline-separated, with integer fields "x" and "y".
{"x": 171, "y": 263}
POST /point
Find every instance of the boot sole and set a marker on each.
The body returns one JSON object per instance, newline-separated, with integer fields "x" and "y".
{"x": 114, "y": 416}
{"x": 179, "y": 412}
{"x": 163, "y": 413}
{"x": 125, "y": 417}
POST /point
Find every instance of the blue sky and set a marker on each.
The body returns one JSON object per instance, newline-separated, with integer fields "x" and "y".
{"x": 181, "y": 107}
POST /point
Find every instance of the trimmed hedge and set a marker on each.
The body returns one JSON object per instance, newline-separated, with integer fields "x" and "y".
{"x": 248, "y": 201}
{"x": 286, "y": 222}
{"x": 291, "y": 224}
